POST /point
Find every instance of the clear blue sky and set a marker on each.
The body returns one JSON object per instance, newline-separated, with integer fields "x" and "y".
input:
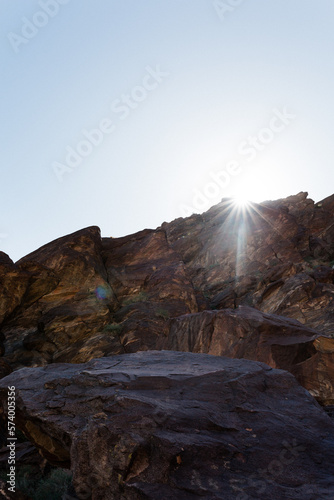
{"x": 183, "y": 91}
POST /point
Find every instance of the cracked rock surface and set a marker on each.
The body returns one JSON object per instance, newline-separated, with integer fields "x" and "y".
{"x": 162, "y": 425}
{"x": 262, "y": 270}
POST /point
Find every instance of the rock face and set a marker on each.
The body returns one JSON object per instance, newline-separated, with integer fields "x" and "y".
{"x": 151, "y": 284}
{"x": 248, "y": 333}
{"x": 177, "y": 425}
{"x": 13, "y": 284}
{"x": 255, "y": 283}
{"x": 83, "y": 297}
{"x": 276, "y": 256}
{"x": 66, "y": 302}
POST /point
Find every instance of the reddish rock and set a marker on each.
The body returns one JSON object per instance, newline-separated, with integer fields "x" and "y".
{"x": 151, "y": 285}
{"x": 178, "y": 426}
{"x": 81, "y": 297}
{"x": 66, "y": 303}
{"x": 13, "y": 285}
{"x": 248, "y": 333}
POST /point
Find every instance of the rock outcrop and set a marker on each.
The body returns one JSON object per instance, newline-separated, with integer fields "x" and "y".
{"x": 248, "y": 333}
{"x": 13, "y": 285}
{"x": 66, "y": 302}
{"x": 177, "y": 425}
{"x": 275, "y": 256}
{"x": 83, "y": 297}
{"x": 255, "y": 284}
{"x": 151, "y": 284}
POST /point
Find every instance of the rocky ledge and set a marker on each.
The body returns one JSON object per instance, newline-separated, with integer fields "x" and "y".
{"x": 179, "y": 426}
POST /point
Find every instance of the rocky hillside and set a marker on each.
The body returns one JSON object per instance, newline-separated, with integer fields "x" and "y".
{"x": 255, "y": 283}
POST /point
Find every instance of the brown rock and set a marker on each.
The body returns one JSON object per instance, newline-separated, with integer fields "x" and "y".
{"x": 305, "y": 296}
{"x": 81, "y": 297}
{"x": 66, "y": 303}
{"x": 13, "y": 284}
{"x": 5, "y": 368}
{"x": 151, "y": 285}
{"x": 248, "y": 333}
{"x": 178, "y": 425}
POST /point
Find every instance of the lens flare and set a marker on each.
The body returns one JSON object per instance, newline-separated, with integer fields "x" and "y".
{"x": 240, "y": 201}
{"x": 102, "y": 292}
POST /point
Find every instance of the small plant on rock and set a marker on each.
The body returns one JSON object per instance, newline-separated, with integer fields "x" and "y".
{"x": 139, "y": 297}
{"x": 162, "y": 313}
{"x": 113, "y": 328}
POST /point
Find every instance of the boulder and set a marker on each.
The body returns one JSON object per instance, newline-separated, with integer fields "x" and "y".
{"x": 162, "y": 425}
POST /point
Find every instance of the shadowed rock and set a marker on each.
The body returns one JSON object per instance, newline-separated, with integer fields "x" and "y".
{"x": 177, "y": 425}
{"x": 82, "y": 297}
{"x": 13, "y": 285}
{"x": 66, "y": 303}
{"x": 248, "y": 333}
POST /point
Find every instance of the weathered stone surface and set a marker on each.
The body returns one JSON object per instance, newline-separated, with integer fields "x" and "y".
{"x": 151, "y": 285}
{"x": 66, "y": 303}
{"x": 248, "y": 333}
{"x": 81, "y": 297}
{"x": 307, "y": 296}
{"x": 5, "y": 368}
{"x": 13, "y": 284}
{"x": 25, "y": 454}
{"x": 162, "y": 425}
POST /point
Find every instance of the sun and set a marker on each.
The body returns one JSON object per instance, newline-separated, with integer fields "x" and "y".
{"x": 240, "y": 201}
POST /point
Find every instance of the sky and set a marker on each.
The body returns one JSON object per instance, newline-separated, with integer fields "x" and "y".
{"x": 125, "y": 114}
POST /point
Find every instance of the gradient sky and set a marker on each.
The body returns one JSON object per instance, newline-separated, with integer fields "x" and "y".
{"x": 226, "y": 72}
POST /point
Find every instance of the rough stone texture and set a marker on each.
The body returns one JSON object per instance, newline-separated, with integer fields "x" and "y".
{"x": 167, "y": 425}
{"x": 66, "y": 303}
{"x": 277, "y": 256}
{"x": 13, "y": 284}
{"x": 248, "y": 333}
{"x": 81, "y": 297}
{"x": 151, "y": 285}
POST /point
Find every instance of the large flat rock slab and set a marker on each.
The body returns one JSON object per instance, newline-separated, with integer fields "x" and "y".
{"x": 173, "y": 425}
